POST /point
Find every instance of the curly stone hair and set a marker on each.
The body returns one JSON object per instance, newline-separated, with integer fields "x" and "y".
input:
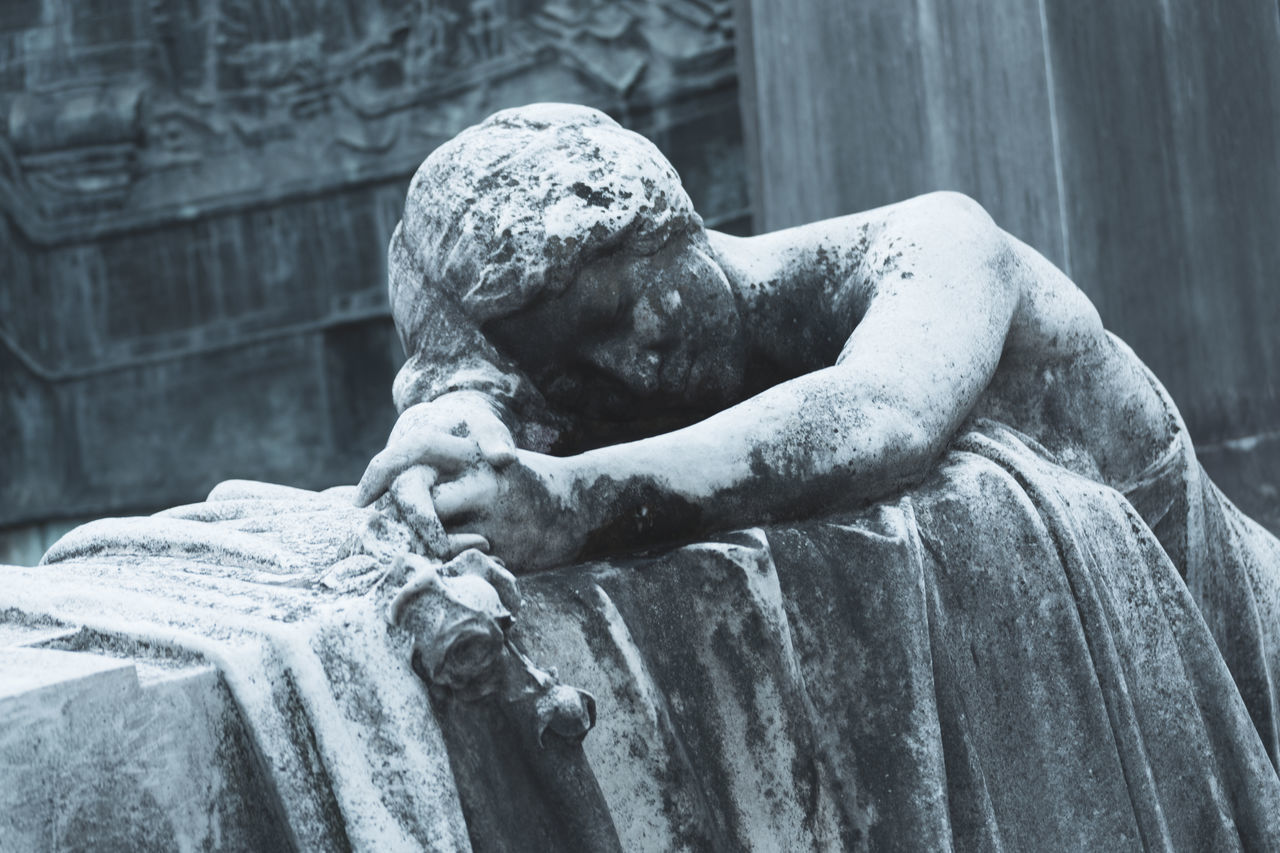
{"x": 510, "y": 209}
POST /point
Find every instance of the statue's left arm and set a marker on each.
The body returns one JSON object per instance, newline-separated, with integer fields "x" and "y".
{"x": 940, "y": 287}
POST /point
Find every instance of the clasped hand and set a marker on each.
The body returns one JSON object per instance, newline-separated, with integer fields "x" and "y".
{"x": 454, "y": 459}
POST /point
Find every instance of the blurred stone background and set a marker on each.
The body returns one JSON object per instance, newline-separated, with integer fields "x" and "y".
{"x": 1136, "y": 144}
{"x": 197, "y": 198}
{"x": 196, "y": 195}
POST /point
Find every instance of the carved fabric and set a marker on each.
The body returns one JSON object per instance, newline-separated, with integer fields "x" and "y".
{"x": 1230, "y": 563}
{"x": 1004, "y": 658}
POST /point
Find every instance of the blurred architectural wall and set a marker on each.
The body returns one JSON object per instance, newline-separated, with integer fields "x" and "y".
{"x": 196, "y": 198}
{"x": 1136, "y": 144}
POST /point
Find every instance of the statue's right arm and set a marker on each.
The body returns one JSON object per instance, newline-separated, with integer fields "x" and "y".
{"x": 925, "y": 349}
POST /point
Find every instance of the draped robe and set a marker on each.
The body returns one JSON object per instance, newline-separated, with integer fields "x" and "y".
{"x": 1007, "y": 656}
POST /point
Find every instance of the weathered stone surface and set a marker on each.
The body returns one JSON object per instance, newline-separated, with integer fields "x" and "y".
{"x": 1033, "y": 614}
{"x": 997, "y": 600}
{"x": 857, "y": 682}
{"x": 116, "y": 753}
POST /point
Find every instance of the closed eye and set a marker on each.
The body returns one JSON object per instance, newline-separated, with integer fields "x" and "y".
{"x": 613, "y": 314}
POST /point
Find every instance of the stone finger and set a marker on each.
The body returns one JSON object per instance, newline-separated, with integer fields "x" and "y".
{"x": 459, "y": 542}
{"x": 411, "y": 493}
{"x": 441, "y": 451}
{"x": 472, "y": 493}
{"x": 495, "y": 443}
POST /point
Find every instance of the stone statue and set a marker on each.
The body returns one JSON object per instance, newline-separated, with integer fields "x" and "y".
{"x": 555, "y": 291}
{"x": 863, "y": 534}
{"x": 592, "y": 372}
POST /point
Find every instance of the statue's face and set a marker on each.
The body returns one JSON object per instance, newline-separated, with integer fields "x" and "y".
{"x": 635, "y": 337}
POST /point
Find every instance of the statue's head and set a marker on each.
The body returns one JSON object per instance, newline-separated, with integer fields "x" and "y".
{"x": 572, "y": 243}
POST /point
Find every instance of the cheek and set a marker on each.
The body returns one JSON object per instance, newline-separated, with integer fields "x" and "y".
{"x": 715, "y": 327}
{"x": 650, "y": 324}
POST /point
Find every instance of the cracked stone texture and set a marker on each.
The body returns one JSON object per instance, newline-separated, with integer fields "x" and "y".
{"x": 857, "y": 682}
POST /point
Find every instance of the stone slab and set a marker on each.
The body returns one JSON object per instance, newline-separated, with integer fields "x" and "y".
{"x": 94, "y": 758}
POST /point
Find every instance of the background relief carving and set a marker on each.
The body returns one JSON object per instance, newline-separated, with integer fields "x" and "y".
{"x": 198, "y": 195}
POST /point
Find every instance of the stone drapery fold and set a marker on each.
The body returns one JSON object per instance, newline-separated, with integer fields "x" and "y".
{"x": 1006, "y": 657}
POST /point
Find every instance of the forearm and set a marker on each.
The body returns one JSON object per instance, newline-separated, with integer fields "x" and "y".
{"x": 485, "y": 383}
{"x": 812, "y": 445}
{"x": 924, "y": 350}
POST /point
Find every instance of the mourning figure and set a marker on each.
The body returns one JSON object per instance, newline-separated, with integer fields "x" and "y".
{"x": 592, "y": 372}
{"x": 864, "y": 534}
{"x": 556, "y": 292}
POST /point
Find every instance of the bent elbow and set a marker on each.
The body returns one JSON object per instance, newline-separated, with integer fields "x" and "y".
{"x": 905, "y": 451}
{"x": 947, "y": 219}
{"x": 918, "y": 449}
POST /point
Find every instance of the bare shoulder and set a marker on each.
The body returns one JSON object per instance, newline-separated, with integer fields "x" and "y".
{"x": 1067, "y": 382}
{"x": 944, "y": 231}
{"x": 1055, "y": 318}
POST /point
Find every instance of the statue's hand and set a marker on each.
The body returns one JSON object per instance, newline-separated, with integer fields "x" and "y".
{"x": 526, "y": 510}
{"x": 450, "y": 435}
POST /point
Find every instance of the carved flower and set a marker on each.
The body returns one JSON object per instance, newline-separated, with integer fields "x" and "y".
{"x": 463, "y": 649}
{"x": 458, "y": 624}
